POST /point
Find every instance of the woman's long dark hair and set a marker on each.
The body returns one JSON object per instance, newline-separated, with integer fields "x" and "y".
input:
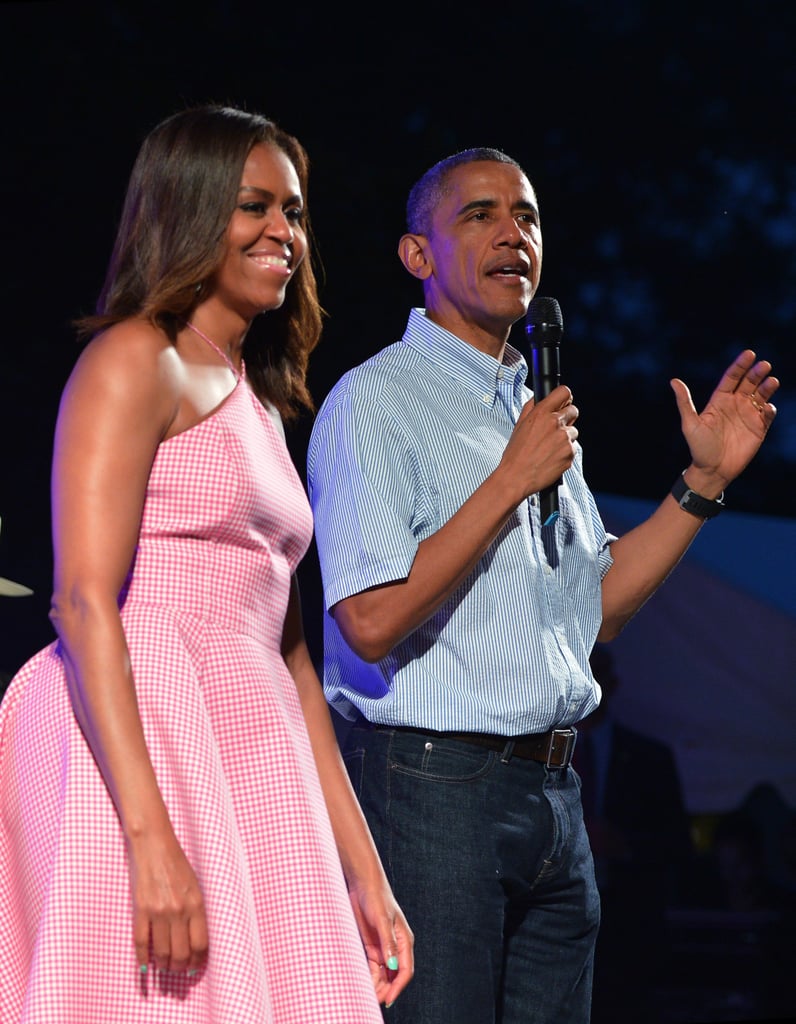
{"x": 182, "y": 192}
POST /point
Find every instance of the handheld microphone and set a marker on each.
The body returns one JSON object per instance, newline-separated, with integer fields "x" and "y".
{"x": 544, "y": 326}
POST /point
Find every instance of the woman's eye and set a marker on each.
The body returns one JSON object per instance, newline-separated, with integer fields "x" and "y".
{"x": 295, "y": 214}
{"x": 253, "y": 207}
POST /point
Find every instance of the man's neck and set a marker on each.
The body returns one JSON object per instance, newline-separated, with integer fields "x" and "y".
{"x": 492, "y": 342}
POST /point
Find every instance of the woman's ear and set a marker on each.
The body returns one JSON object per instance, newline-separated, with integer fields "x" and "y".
{"x": 413, "y": 253}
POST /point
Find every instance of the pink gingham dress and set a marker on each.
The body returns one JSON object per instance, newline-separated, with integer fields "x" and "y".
{"x": 225, "y": 523}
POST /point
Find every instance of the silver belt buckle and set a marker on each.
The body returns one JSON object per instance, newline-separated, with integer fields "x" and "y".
{"x": 568, "y": 737}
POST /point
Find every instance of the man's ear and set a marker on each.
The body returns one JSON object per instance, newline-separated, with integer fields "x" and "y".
{"x": 413, "y": 253}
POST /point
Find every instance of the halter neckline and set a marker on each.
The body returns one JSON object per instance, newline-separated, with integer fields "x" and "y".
{"x": 220, "y": 351}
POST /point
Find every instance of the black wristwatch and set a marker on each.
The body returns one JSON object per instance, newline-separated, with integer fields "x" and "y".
{"x": 690, "y": 501}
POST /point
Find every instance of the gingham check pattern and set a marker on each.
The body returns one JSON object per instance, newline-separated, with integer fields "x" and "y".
{"x": 225, "y": 523}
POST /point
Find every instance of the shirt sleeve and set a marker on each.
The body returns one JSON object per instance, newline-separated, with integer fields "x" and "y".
{"x": 362, "y": 478}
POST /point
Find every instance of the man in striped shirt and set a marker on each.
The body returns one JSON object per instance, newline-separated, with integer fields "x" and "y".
{"x": 458, "y": 627}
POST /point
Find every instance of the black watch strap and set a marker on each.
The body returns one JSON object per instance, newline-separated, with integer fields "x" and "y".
{"x": 690, "y": 501}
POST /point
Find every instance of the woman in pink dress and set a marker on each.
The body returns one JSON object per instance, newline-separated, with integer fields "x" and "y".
{"x": 179, "y": 841}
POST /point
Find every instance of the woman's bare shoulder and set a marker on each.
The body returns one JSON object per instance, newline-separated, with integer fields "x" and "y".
{"x": 135, "y": 341}
{"x": 132, "y": 362}
{"x": 132, "y": 351}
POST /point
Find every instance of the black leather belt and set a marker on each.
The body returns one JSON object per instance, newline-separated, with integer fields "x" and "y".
{"x": 553, "y": 748}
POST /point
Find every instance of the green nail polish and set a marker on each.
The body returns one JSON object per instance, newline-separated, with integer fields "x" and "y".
{"x": 192, "y": 972}
{"x": 143, "y": 968}
{"x": 392, "y": 963}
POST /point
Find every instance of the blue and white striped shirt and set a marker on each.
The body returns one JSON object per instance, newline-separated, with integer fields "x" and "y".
{"x": 398, "y": 446}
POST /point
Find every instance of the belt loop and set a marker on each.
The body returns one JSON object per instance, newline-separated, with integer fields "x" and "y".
{"x": 508, "y": 750}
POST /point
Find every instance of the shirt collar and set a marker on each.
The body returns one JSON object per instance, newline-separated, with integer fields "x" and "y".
{"x": 467, "y": 365}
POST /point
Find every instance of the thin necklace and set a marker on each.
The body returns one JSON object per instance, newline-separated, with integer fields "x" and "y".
{"x": 213, "y": 345}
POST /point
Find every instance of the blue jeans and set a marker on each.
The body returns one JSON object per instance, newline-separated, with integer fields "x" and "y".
{"x": 492, "y": 867}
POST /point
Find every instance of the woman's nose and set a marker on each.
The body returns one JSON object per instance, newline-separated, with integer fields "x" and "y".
{"x": 278, "y": 226}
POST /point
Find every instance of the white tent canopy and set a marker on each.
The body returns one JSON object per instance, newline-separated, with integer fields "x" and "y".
{"x": 709, "y": 663}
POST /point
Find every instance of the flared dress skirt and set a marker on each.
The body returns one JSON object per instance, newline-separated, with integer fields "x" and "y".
{"x": 224, "y": 526}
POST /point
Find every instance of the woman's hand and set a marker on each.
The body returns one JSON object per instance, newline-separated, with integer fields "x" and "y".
{"x": 169, "y": 922}
{"x": 387, "y": 938}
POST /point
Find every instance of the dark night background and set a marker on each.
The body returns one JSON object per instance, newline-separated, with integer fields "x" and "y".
{"x": 659, "y": 137}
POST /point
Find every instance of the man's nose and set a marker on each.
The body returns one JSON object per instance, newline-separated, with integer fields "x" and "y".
{"x": 512, "y": 234}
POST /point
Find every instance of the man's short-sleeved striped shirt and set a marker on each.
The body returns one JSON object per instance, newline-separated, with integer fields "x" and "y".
{"x": 398, "y": 446}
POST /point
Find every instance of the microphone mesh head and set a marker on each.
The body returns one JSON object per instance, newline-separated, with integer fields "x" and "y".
{"x": 543, "y": 310}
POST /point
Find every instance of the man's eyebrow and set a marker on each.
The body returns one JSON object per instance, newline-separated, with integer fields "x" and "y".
{"x": 478, "y": 204}
{"x": 490, "y": 204}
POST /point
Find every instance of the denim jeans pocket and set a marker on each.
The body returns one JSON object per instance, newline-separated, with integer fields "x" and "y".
{"x": 440, "y": 760}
